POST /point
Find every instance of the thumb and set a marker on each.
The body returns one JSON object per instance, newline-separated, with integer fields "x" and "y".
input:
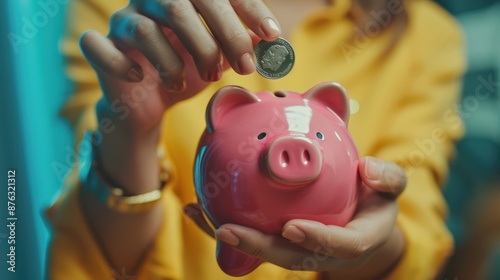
{"x": 382, "y": 176}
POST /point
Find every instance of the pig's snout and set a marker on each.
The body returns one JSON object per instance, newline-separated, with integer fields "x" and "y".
{"x": 294, "y": 160}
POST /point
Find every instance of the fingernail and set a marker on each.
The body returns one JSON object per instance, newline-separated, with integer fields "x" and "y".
{"x": 227, "y": 236}
{"x": 294, "y": 234}
{"x": 135, "y": 74}
{"x": 373, "y": 168}
{"x": 246, "y": 65}
{"x": 178, "y": 86}
{"x": 216, "y": 73}
{"x": 270, "y": 28}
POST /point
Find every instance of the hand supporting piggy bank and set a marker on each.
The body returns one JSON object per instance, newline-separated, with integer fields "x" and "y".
{"x": 268, "y": 158}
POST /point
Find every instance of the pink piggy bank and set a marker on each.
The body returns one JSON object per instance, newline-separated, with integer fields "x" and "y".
{"x": 268, "y": 158}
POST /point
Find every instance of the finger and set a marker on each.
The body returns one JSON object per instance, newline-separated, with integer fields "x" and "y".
{"x": 195, "y": 212}
{"x": 230, "y": 33}
{"x": 271, "y": 248}
{"x": 383, "y": 176}
{"x": 369, "y": 229}
{"x": 257, "y": 16}
{"x": 144, "y": 34}
{"x": 105, "y": 57}
{"x": 255, "y": 39}
{"x": 183, "y": 19}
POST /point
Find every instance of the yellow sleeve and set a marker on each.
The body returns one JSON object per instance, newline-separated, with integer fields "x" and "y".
{"x": 420, "y": 138}
{"x": 75, "y": 253}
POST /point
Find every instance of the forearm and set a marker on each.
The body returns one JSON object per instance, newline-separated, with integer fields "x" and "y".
{"x": 378, "y": 264}
{"x": 130, "y": 162}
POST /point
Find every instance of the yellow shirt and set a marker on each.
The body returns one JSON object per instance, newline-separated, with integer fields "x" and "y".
{"x": 403, "y": 111}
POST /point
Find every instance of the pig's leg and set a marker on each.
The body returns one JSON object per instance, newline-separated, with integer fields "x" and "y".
{"x": 234, "y": 262}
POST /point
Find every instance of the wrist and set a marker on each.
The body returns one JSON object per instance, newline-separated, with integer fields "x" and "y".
{"x": 106, "y": 191}
{"x": 130, "y": 160}
{"x": 133, "y": 124}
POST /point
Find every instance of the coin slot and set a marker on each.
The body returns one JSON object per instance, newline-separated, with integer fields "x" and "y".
{"x": 280, "y": 94}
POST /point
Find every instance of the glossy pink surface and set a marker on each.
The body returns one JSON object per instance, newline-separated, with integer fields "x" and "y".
{"x": 268, "y": 158}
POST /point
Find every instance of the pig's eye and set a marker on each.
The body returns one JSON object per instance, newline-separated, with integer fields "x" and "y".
{"x": 320, "y": 135}
{"x": 261, "y": 136}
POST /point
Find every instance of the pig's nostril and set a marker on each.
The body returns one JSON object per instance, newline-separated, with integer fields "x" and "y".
{"x": 285, "y": 159}
{"x": 306, "y": 157}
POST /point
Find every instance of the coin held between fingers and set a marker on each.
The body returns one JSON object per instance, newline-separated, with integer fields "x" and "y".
{"x": 275, "y": 59}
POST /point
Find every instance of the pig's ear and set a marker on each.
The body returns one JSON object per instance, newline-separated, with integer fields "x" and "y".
{"x": 224, "y": 100}
{"x": 333, "y": 96}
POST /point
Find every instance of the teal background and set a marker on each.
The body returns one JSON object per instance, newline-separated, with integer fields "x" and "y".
{"x": 33, "y": 136}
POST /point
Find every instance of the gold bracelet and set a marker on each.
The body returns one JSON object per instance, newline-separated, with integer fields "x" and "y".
{"x": 98, "y": 184}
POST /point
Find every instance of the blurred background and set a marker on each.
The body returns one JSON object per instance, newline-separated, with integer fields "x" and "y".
{"x": 38, "y": 144}
{"x": 473, "y": 189}
{"x": 33, "y": 135}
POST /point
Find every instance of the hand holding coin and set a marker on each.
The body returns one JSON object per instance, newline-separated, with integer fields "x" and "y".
{"x": 275, "y": 59}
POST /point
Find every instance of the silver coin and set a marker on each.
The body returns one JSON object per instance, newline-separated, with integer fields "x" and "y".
{"x": 274, "y": 59}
